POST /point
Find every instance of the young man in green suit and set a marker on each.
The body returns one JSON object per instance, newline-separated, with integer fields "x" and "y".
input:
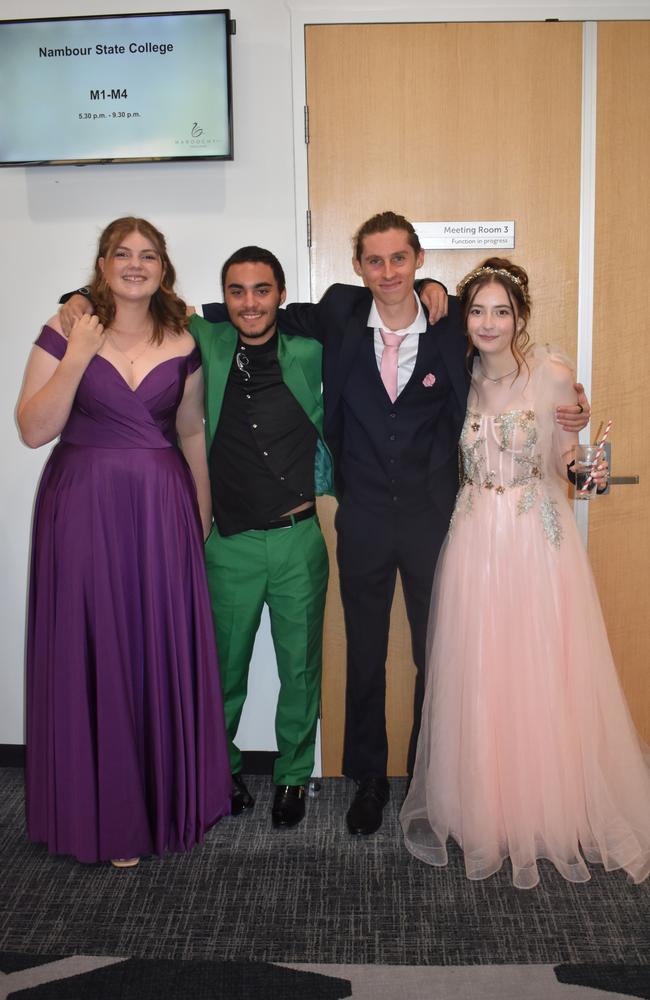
{"x": 267, "y": 460}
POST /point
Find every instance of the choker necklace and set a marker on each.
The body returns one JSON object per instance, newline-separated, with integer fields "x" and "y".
{"x": 500, "y": 378}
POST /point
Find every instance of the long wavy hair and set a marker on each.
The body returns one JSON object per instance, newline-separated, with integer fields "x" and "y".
{"x": 168, "y": 311}
{"x": 514, "y": 281}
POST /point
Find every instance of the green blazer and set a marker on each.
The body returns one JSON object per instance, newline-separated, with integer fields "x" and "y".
{"x": 301, "y": 365}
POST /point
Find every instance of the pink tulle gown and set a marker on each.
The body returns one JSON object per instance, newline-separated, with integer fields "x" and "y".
{"x": 527, "y": 749}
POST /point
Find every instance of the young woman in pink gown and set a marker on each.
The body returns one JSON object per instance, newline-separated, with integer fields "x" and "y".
{"x": 126, "y": 750}
{"x": 527, "y": 749}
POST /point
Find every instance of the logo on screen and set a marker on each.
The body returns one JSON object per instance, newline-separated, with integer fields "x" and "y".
{"x": 197, "y": 138}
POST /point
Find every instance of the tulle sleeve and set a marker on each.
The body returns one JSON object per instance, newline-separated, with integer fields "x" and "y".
{"x": 553, "y": 379}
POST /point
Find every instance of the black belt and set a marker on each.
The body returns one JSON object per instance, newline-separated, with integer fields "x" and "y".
{"x": 287, "y": 521}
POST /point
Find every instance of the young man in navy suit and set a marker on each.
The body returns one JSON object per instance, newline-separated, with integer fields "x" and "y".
{"x": 396, "y": 473}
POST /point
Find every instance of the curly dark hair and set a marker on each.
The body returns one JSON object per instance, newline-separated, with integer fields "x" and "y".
{"x": 254, "y": 255}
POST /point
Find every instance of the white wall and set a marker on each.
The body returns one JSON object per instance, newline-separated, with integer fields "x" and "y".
{"x": 51, "y": 218}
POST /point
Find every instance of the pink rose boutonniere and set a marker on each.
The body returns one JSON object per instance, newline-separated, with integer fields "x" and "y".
{"x": 428, "y": 380}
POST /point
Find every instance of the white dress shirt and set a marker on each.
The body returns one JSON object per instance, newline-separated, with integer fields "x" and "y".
{"x": 408, "y": 350}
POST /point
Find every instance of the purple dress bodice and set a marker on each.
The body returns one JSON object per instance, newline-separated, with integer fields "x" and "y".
{"x": 107, "y": 413}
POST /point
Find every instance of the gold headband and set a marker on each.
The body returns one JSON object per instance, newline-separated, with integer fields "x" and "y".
{"x": 464, "y": 282}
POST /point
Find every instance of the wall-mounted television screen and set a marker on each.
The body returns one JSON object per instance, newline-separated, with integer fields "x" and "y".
{"x": 115, "y": 89}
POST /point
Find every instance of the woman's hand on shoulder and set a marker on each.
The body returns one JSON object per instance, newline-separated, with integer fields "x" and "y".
{"x": 71, "y": 310}
{"x": 49, "y": 385}
{"x": 86, "y": 338}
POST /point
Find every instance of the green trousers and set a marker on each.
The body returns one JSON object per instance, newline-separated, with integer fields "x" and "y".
{"x": 287, "y": 569}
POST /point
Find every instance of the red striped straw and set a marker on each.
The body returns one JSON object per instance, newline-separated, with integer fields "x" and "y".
{"x": 597, "y": 456}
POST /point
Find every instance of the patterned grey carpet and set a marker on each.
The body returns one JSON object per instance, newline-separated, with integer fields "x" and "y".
{"x": 307, "y": 899}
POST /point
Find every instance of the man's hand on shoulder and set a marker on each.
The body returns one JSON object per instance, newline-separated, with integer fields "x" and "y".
{"x": 576, "y": 416}
{"x": 72, "y": 310}
{"x": 434, "y": 299}
{"x": 214, "y": 312}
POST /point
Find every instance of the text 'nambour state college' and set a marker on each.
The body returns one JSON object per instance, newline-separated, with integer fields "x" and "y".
{"x": 161, "y": 48}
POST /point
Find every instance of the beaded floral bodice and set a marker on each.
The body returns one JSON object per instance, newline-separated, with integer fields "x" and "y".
{"x": 501, "y": 461}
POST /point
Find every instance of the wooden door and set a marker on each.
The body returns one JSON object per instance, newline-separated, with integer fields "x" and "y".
{"x": 441, "y": 122}
{"x": 619, "y": 529}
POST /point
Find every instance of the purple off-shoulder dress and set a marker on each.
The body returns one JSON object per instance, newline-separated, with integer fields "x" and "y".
{"x": 126, "y": 750}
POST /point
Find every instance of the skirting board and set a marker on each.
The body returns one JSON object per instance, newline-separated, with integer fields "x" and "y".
{"x": 255, "y": 761}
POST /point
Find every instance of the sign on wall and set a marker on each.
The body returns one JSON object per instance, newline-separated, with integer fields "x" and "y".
{"x": 466, "y": 235}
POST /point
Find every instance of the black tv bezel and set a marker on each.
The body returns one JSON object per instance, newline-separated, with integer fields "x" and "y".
{"x": 138, "y": 159}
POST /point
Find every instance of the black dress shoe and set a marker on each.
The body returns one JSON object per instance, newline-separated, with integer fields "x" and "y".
{"x": 288, "y": 805}
{"x": 365, "y": 814}
{"x": 240, "y": 798}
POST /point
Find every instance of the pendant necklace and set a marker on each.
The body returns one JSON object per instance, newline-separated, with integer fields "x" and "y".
{"x": 500, "y": 378}
{"x": 124, "y": 354}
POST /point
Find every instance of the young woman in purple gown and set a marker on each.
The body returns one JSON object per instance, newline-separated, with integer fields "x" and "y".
{"x": 126, "y": 752}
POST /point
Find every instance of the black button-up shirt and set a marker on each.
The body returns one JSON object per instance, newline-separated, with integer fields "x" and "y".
{"x": 262, "y": 456}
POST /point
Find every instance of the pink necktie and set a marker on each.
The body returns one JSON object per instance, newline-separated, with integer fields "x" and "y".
{"x": 388, "y": 367}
